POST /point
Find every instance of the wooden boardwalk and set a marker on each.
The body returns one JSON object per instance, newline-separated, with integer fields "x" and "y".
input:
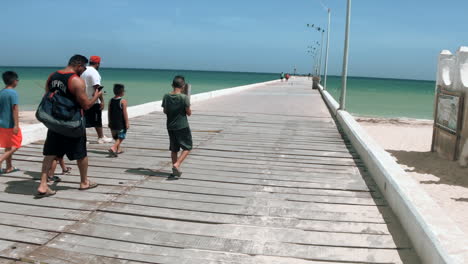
{"x": 271, "y": 180}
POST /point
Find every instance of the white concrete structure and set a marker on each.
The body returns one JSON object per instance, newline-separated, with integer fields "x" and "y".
{"x": 436, "y": 237}
{"x": 452, "y": 75}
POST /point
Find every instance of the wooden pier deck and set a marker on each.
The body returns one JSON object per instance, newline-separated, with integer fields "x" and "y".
{"x": 271, "y": 180}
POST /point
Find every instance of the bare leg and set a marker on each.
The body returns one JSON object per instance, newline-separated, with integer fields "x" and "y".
{"x": 99, "y": 132}
{"x": 181, "y": 158}
{"x": 116, "y": 146}
{"x": 62, "y": 164}
{"x": 46, "y": 164}
{"x": 83, "y": 167}
{"x": 52, "y": 168}
{"x": 8, "y": 157}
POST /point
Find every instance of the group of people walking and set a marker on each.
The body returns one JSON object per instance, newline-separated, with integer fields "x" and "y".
{"x": 80, "y": 84}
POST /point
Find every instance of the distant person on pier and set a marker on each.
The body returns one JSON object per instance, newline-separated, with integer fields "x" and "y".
{"x": 287, "y": 76}
{"x": 118, "y": 119}
{"x": 176, "y": 106}
{"x": 67, "y": 83}
{"x": 282, "y": 76}
{"x": 10, "y": 132}
{"x": 93, "y": 115}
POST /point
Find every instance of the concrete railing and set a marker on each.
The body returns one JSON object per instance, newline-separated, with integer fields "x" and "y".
{"x": 435, "y": 237}
{"x": 35, "y": 132}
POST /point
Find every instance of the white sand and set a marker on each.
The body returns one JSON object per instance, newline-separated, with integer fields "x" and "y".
{"x": 27, "y": 118}
{"x": 409, "y": 141}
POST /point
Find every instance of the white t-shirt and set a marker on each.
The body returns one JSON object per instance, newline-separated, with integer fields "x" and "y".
{"x": 91, "y": 77}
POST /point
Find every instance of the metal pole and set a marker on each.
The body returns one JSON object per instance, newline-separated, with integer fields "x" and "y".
{"x": 345, "y": 59}
{"x": 320, "y": 59}
{"x": 326, "y": 51}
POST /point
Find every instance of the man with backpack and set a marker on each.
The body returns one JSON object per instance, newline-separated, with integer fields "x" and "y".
{"x": 67, "y": 83}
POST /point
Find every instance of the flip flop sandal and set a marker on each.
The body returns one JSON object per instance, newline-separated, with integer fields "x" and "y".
{"x": 176, "y": 172}
{"x": 112, "y": 153}
{"x": 54, "y": 179}
{"x": 4, "y": 171}
{"x": 67, "y": 170}
{"x": 120, "y": 152}
{"x": 48, "y": 193}
{"x": 91, "y": 185}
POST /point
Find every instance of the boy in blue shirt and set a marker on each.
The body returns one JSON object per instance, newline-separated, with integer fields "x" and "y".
{"x": 10, "y": 133}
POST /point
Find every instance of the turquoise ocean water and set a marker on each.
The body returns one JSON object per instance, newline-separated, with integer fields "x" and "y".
{"x": 141, "y": 85}
{"x": 376, "y": 97}
{"x": 366, "y": 96}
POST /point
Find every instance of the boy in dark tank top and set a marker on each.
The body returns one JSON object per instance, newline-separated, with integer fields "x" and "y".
{"x": 118, "y": 119}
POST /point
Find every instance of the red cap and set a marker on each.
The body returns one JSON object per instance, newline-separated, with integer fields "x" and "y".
{"x": 95, "y": 59}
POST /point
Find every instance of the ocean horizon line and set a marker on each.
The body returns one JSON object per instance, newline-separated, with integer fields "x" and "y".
{"x": 192, "y": 70}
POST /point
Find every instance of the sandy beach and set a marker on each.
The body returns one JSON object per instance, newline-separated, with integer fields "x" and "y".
{"x": 409, "y": 142}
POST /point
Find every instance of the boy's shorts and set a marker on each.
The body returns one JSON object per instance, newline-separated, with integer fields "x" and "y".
{"x": 119, "y": 134}
{"x": 181, "y": 138}
{"x": 8, "y": 139}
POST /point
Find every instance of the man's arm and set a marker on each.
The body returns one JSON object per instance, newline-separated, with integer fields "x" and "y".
{"x": 78, "y": 89}
{"x": 15, "y": 119}
{"x": 188, "y": 111}
{"x": 125, "y": 114}
{"x": 100, "y": 97}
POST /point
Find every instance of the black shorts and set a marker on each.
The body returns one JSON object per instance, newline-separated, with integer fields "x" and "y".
{"x": 181, "y": 138}
{"x": 93, "y": 116}
{"x": 58, "y": 145}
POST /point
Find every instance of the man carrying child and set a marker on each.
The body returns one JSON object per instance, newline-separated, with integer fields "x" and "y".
{"x": 177, "y": 107}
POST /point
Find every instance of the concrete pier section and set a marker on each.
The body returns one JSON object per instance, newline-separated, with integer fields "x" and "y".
{"x": 272, "y": 179}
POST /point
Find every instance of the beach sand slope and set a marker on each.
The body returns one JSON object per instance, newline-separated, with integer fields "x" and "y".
{"x": 409, "y": 142}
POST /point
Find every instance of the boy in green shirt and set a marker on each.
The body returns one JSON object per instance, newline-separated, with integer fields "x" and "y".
{"x": 176, "y": 106}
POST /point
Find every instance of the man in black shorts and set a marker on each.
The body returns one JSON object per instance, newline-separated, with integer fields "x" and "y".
{"x": 177, "y": 107}
{"x": 68, "y": 84}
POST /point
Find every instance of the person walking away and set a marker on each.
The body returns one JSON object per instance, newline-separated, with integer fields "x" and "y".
{"x": 282, "y": 76}
{"x": 176, "y": 106}
{"x": 93, "y": 115}
{"x": 10, "y": 132}
{"x": 67, "y": 83}
{"x": 287, "y": 76}
{"x": 118, "y": 119}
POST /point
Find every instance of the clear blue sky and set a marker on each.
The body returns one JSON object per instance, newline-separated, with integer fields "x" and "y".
{"x": 396, "y": 39}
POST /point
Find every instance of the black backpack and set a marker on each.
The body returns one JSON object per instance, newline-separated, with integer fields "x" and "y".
{"x": 61, "y": 115}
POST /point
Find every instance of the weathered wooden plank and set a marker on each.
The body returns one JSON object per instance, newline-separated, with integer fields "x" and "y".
{"x": 46, "y": 212}
{"x": 143, "y": 252}
{"x": 33, "y": 222}
{"x": 14, "y": 250}
{"x": 26, "y": 235}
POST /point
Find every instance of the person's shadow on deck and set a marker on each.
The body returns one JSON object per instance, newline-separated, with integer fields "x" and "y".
{"x": 29, "y": 186}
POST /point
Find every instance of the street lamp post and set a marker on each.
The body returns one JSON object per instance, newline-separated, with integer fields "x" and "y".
{"x": 345, "y": 59}
{"x": 321, "y": 47}
{"x": 326, "y": 51}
